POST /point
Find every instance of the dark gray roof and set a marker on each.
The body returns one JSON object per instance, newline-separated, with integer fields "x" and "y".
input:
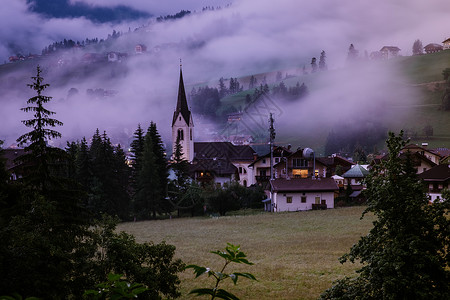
{"x": 303, "y": 184}
{"x": 182, "y": 106}
{"x": 216, "y": 166}
{"x": 223, "y": 150}
{"x": 437, "y": 173}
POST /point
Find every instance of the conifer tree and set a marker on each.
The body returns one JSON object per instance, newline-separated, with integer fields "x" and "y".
{"x": 322, "y": 61}
{"x": 39, "y": 155}
{"x": 313, "y": 65}
{"x": 148, "y": 186}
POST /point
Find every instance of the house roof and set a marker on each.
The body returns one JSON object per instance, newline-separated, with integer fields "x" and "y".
{"x": 357, "y": 171}
{"x": 10, "y": 155}
{"x": 182, "y": 106}
{"x": 278, "y": 151}
{"x": 446, "y": 41}
{"x": 437, "y": 173}
{"x": 217, "y": 166}
{"x": 303, "y": 185}
{"x": 433, "y": 45}
{"x": 390, "y": 48}
{"x": 223, "y": 150}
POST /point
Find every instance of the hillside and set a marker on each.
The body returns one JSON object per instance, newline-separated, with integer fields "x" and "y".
{"x": 333, "y": 104}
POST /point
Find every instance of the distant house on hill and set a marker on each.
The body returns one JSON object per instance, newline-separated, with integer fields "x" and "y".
{"x": 140, "y": 48}
{"x": 433, "y": 48}
{"x": 389, "y": 52}
{"x": 297, "y": 194}
{"x": 116, "y": 56}
{"x": 446, "y": 44}
{"x": 14, "y": 167}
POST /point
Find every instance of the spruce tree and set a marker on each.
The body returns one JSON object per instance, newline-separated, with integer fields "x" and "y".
{"x": 322, "y": 61}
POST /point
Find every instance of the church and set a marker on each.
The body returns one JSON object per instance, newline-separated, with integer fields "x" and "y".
{"x": 210, "y": 162}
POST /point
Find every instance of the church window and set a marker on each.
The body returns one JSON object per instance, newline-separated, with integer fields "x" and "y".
{"x": 190, "y": 134}
{"x": 180, "y": 134}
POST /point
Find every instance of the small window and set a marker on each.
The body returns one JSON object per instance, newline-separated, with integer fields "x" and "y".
{"x": 179, "y": 119}
{"x": 180, "y": 134}
{"x": 303, "y": 199}
{"x": 240, "y": 170}
{"x": 264, "y": 161}
{"x": 190, "y": 134}
{"x": 289, "y": 199}
{"x": 277, "y": 160}
{"x": 317, "y": 199}
{"x": 245, "y": 183}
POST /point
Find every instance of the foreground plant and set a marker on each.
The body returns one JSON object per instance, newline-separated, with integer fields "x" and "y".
{"x": 116, "y": 289}
{"x": 232, "y": 254}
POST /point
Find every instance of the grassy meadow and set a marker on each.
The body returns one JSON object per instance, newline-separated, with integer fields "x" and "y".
{"x": 295, "y": 253}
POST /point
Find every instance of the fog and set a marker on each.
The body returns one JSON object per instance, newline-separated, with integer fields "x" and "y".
{"x": 247, "y": 38}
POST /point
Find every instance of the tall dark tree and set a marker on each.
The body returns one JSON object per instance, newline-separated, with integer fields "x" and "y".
{"x": 352, "y": 53}
{"x": 322, "y": 61}
{"x": 161, "y": 166}
{"x": 417, "y": 48}
{"x": 39, "y": 155}
{"x": 313, "y": 65}
{"x": 406, "y": 254}
{"x": 152, "y": 178}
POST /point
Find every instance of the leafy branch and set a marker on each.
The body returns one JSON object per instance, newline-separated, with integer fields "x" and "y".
{"x": 232, "y": 254}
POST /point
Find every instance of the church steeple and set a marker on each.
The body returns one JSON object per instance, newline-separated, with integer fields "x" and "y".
{"x": 182, "y": 106}
{"x": 182, "y": 123}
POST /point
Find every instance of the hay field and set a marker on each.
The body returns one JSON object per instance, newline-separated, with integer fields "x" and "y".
{"x": 295, "y": 254}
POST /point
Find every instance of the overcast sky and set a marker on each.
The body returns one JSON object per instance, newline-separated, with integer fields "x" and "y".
{"x": 248, "y": 37}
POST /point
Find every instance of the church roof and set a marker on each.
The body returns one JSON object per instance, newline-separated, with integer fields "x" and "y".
{"x": 182, "y": 106}
{"x": 225, "y": 150}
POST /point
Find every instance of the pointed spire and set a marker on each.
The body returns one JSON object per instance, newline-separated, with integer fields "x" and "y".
{"x": 182, "y": 106}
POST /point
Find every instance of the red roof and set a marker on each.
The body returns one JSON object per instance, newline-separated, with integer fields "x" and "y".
{"x": 303, "y": 184}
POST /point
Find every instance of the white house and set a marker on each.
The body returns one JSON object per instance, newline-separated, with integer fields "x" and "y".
{"x": 302, "y": 193}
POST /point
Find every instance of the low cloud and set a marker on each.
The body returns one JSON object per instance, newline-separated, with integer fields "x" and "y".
{"x": 244, "y": 39}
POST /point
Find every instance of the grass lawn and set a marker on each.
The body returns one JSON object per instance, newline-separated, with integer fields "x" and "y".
{"x": 295, "y": 254}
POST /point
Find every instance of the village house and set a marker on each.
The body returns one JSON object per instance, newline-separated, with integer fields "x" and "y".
{"x": 446, "y": 44}
{"x": 388, "y": 52}
{"x": 433, "y": 48}
{"x": 436, "y": 180}
{"x": 298, "y": 194}
{"x": 261, "y": 165}
{"x": 116, "y": 56}
{"x": 140, "y": 48}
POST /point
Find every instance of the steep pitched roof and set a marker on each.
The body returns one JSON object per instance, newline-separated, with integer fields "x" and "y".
{"x": 182, "y": 106}
{"x": 225, "y": 150}
{"x": 303, "y": 184}
{"x": 357, "y": 171}
{"x": 437, "y": 173}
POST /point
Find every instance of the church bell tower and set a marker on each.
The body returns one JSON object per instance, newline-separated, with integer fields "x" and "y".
{"x": 182, "y": 124}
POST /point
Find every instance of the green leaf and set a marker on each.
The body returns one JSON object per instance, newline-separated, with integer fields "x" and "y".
{"x": 201, "y": 292}
{"x": 223, "y": 294}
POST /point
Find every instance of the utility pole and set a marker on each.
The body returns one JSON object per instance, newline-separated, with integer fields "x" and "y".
{"x": 271, "y": 139}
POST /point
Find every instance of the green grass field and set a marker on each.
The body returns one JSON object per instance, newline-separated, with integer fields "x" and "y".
{"x": 295, "y": 254}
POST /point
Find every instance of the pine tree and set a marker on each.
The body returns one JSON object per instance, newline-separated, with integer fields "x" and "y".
{"x": 162, "y": 167}
{"x": 148, "y": 186}
{"x": 322, "y": 61}
{"x": 313, "y": 65}
{"x": 39, "y": 155}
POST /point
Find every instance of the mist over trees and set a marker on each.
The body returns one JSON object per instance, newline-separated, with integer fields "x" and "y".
{"x": 358, "y": 134}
